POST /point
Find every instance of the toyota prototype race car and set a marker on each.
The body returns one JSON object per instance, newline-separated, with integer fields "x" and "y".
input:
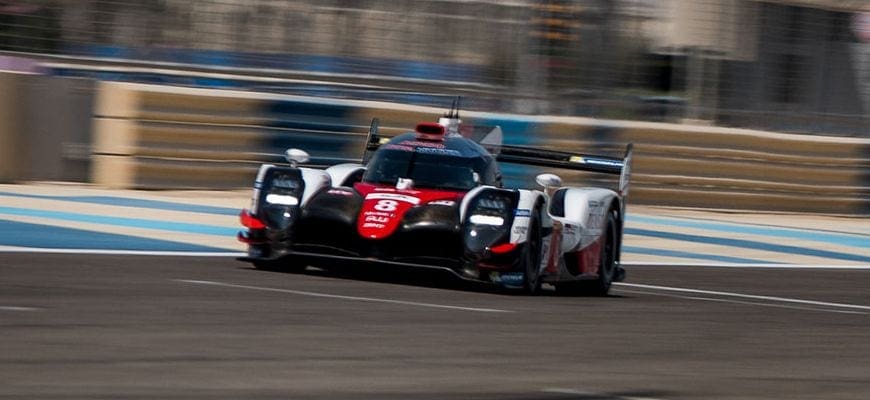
{"x": 433, "y": 198}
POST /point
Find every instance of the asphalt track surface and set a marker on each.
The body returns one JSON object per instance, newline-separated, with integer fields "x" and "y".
{"x": 150, "y": 327}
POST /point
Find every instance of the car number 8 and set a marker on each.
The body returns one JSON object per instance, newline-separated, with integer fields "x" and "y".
{"x": 386, "y": 205}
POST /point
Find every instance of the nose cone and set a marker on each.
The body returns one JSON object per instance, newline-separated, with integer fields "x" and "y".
{"x": 378, "y": 219}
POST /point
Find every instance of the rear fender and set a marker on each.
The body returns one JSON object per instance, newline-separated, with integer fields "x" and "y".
{"x": 585, "y": 215}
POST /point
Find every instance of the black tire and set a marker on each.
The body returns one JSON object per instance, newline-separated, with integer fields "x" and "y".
{"x": 531, "y": 257}
{"x": 607, "y": 269}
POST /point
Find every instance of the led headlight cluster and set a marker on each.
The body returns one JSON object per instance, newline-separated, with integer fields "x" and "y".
{"x": 490, "y": 215}
{"x": 280, "y": 194}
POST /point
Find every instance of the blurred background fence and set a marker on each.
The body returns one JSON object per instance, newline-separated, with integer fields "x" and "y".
{"x": 797, "y": 66}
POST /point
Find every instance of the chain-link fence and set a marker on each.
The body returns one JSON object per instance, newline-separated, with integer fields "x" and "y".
{"x": 800, "y": 65}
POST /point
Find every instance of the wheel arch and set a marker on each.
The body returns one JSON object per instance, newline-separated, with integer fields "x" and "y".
{"x": 618, "y": 209}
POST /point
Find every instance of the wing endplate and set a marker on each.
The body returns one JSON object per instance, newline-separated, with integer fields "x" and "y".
{"x": 373, "y": 141}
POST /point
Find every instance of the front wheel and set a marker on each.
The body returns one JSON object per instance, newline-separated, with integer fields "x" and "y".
{"x": 531, "y": 257}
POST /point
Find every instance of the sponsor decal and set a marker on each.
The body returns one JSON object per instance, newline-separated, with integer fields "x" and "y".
{"x": 393, "y": 190}
{"x": 523, "y": 212}
{"x": 377, "y": 218}
{"x": 339, "y": 192}
{"x": 449, "y": 203}
{"x": 430, "y": 150}
{"x": 398, "y": 147}
{"x": 520, "y": 230}
{"x": 394, "y": 197}
{"x": 419, "y": 143}
{"x": 511, "y": 279}
{"x": 373, "y": 225}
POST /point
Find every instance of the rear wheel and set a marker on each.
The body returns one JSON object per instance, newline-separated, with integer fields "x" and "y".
{"x": 531, "y": 257}
{"x": 607, "y": 269}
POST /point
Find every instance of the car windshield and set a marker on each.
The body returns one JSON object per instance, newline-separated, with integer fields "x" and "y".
{"x": 442, "y": 171}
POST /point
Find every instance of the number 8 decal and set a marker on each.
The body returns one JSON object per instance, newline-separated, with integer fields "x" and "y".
{"x": 386, "y": 205}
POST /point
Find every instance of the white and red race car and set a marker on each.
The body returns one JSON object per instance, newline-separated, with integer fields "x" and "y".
{"x": 433, "y": 198}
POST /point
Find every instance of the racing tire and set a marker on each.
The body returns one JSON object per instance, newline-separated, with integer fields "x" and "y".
{"x": 607, "y": 268}
{"x": 531, "y": 257}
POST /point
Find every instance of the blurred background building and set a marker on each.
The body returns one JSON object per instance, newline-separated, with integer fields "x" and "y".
{"x": 789, "y": 65}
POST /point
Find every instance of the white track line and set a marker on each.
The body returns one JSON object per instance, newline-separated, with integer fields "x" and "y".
{"x": 742, "y": 265}
{"x": 335, "y": 296}
{"x": 15, "y": 249}
{"x": 745, "y": 296}
{"x": 9, "y": 249}
{"x": 14, "y": 308}
{"x": 751, "y": 303}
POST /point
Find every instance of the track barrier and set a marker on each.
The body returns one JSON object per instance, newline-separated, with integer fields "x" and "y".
{"x": 155, "y": 137}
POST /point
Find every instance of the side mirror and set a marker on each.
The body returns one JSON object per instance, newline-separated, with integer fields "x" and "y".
{"x": 296, "y": 156}
{"x": 548, "y": 180}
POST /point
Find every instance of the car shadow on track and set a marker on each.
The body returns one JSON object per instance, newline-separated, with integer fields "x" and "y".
{"x": 422, "y": 278}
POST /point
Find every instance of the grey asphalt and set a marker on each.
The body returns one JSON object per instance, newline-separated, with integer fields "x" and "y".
{"x": 147, "y": 327}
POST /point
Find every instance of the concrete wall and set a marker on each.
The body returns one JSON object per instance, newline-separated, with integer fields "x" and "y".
{"x": 149, "y": 136}
{"x": 45, "y": 127}
{"x": 11, "y": 109}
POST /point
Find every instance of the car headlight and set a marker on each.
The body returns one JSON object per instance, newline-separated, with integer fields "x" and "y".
{"x": 280, "y": 193}
{"x": 282, "y": 199}
{"x": 479, "y": 219}
{"x": 490, "y": 215}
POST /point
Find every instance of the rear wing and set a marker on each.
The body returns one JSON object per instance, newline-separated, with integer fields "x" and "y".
{"x": 574, "y": 161}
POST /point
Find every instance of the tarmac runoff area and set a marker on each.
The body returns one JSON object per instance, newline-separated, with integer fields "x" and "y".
{"x": 73, "y": 217}
{"x": 130, "y": 294}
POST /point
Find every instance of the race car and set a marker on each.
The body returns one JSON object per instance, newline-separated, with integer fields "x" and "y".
{"x": 433, "y": 198}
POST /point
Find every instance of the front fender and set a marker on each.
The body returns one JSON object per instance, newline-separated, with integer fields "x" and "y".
{"x": 314, "y": 180}
{"x": 530, "y": 200}
{"x": 345, "y": 174}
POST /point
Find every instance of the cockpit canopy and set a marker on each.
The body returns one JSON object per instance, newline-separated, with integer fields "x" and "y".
{"x": 454, "y": 163}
